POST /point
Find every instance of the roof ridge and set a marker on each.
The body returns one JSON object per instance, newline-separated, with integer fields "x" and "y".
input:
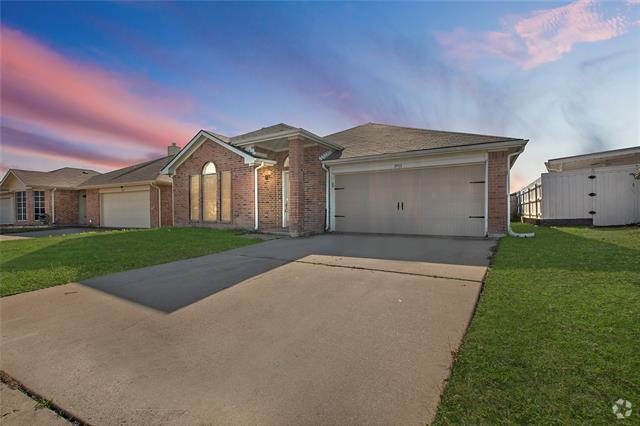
{"x": 441, "y": 131}
{"x": 138, "y": 166}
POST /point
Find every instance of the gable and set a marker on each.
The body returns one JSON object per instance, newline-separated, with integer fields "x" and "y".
{"x": 197, "y": 141}
{"x": 12, "y": 183}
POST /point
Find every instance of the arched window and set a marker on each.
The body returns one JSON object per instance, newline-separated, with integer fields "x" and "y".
{"x": 209, "y": 193}
{"x": 209, "y": 169}
{"x": 286, "y": 163}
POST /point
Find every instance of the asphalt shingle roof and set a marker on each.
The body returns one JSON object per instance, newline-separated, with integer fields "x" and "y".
{"x": 275, "y": 129}
{"x": 141, "y": 172}
{"x": 66, "y": 177}
{"x": 376, "y": 139}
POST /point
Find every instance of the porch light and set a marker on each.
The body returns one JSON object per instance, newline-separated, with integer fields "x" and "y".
{"x": 267, "y": 174}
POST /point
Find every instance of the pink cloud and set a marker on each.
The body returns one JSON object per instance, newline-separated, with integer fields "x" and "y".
{"x": 82, "y": 102}
{"x": 541, "y": 36}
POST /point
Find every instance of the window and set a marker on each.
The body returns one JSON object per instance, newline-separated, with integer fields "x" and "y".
{"x": 21, "y": 205}
{"x": 209, "y": 193}
{"x": 225, "y": 185}
{"x": 38, "y": 204}
{"x": 194, "y": 198}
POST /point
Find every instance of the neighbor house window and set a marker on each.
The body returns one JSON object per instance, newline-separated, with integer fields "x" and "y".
{"x": 209, "y": 193}
{"x": 21, "y": 205}
{"x": 38, "y": 204}
{"x": 194, "y": 198}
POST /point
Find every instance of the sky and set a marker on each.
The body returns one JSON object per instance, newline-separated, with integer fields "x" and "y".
{"x": 104, "y": 85}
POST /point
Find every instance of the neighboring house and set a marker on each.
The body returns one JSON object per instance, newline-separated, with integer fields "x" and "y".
{"x": 25, "y": 195}
{"x": 133, "y": 197}
{"x": 373, "y": 178}
{"x": 593, "y": 189}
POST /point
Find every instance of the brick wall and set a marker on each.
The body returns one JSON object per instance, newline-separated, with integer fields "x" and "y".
{"x": 270, "y": 193}
{"x": 93, "y": 207}
{"x": 241, "y": 184}
{"x": 153, "y": 203}
{"x": 296, "y": 186}
{"x": 166, "y": 205}
{"x": 498, "y": 193}
{"x": 314, "y": 179}
{"x": 66, "y": 207}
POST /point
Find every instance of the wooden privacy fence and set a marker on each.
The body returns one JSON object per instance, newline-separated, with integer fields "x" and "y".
{"x": 529, "y": 202}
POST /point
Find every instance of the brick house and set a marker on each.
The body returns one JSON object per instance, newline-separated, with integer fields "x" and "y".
{"x": 372, "y": 178}
{"x": 26, "y": 195}
{"x": 137, "y": 196}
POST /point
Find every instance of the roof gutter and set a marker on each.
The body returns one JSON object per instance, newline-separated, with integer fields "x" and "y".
{"x": 507, "y": 143}
{"x": 118, "y": 185}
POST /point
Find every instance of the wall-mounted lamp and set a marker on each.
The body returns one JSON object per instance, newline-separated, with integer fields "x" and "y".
{"x": 267, "y": 174}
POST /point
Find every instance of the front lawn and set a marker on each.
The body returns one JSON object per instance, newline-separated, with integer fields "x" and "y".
{"x": 44, "y": 262}
{"x": 556, "y": 335}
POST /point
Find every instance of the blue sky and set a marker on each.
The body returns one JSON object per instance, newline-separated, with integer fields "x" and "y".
{"x": 102, "y": 85}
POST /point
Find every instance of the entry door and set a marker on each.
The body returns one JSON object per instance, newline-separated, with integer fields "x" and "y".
{"x": 6, "y": 210}
{"x": 82, "y": 208}
{"x": 285, "y": 199}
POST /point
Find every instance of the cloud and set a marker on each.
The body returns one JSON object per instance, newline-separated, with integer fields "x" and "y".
{"x": 83, "y": 102}
{"x": 25, "y": 142}
{"x": 541, "y": 36}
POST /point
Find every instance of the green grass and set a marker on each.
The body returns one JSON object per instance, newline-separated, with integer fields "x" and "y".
{"x": 556, "y": 335}
{"x": 44, "y": 262}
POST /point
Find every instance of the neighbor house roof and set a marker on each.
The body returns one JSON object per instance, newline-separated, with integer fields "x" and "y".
{"x": 138, "y": 173}
{"x": 66, "y": 177}
{"x": 616, "y": 157}
{"x": 378, "y": 139}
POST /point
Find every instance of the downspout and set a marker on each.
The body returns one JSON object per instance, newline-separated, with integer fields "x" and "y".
{"x": 159, "y": 205}
{"x": 327, "y": 199}
{"x": 53, "y": 206}
{"x": 173, "y": 204}
{"x": 509, "y": 230}
{"x": 255, "y": 194}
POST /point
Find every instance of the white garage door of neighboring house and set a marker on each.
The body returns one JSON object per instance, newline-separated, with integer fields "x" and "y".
{"x": 6, "y": 210}
{"x": 430, "y": 201}
{"x": 126, "y": 209}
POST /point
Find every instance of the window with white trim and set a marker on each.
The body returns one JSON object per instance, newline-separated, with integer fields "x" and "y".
{"x": 21, "y": 205}
{"x": 38, "y": 204}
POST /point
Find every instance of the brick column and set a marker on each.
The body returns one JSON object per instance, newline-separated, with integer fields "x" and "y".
{"x": 498, "y": 193}
{"x": 296, "y": 186}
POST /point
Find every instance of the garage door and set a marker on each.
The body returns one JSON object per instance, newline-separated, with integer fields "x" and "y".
{"x": 126, "y": 209}
{"x": 432, "y": 201}
{"x": 6, "y": 210}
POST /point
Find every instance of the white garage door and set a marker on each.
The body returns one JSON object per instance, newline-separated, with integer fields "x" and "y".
{"x": 126, "y": 209}
{"x": 6, "y": 210}
{"x": 431, "y": 201}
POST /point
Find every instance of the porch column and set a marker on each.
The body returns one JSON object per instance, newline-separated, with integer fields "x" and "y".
{"x": 296, "y": 186}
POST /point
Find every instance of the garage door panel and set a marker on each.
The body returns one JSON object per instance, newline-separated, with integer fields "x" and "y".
{"x": 126, "y": 209}
{"x": 6, "y": 210}
{"x": 432, "y": 201}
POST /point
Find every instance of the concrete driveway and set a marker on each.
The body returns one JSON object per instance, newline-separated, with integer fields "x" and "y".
{"x": 328, "y": 329}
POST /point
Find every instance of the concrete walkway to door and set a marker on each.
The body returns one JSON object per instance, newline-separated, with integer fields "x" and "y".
{"x": 327, "y": 329}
